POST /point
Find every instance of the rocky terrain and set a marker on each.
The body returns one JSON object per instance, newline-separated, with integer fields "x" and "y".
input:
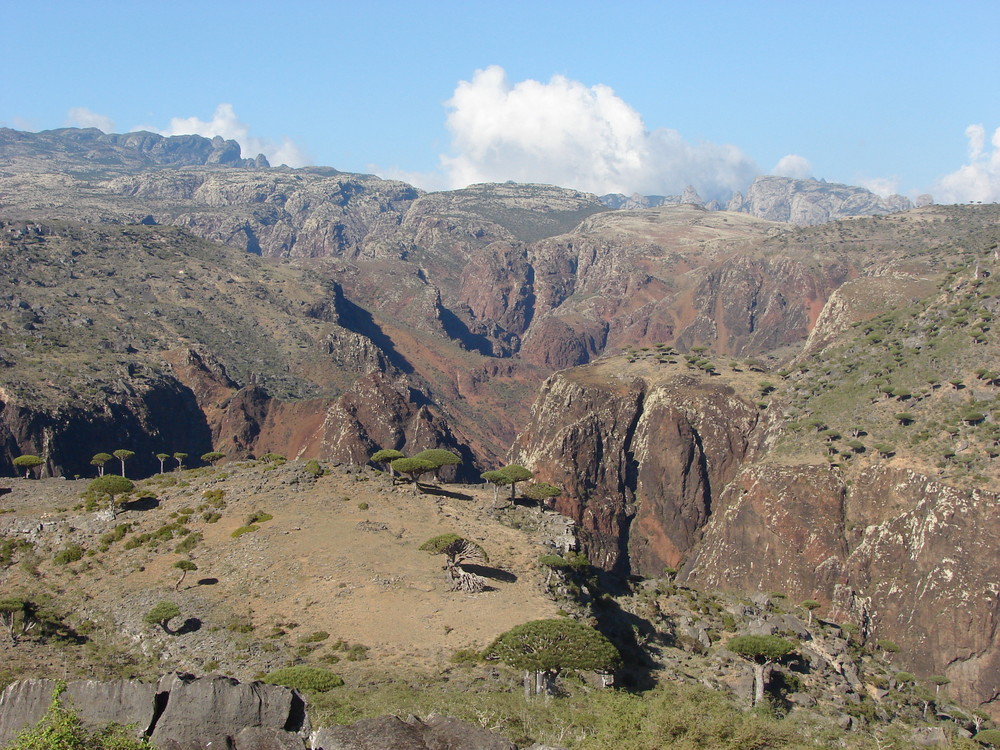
{"x": 329, "y": 575}
{"x": 857, "y": 477}
{"x": 789, "y": 405}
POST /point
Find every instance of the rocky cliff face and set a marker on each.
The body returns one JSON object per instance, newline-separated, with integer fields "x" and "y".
{"x": 901, "y": 555}
{"x": 811, "y": 201}
{"x": 640, "y": 459}
{"x": 668, "y": 472}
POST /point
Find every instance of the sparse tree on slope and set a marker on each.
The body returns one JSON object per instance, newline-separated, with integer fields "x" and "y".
{"x": 516, "y": 473}
{"x": 440, "y": 458}
{"x": 544, "y": 648}
{"x": 185, "y": 567}
{"x": 459, "y": 551}
{"x": 761, "y": 651}
{"x": 542, "y": 491}
{"x": 18, "y": 617}
{"x": 413, "y": 467}
{"x": 385, "y": 457}
{"x": 161, "y": 457}
{"x": 123, "y": 456}
{"x": 498, "y": 479}
{"x": 28, "y": 462}
{"x": 162, "y": 614}
{"x": 99, "y": 460}
{"x": 112, "y": 486}
{"x": 179, "y": 458}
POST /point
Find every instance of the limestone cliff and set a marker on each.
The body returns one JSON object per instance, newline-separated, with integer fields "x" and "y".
{"x": 812, "y": 201}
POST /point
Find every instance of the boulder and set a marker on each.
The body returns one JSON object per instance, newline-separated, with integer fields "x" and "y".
{"x": 392, "y": 733}
{"x": 23, "y": 703}
{"x": 261, "y": 738}
{"x": 215, "y": 709}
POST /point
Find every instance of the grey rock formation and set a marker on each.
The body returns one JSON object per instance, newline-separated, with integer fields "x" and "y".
{"x": 23, "y": 703}
{"x": 119, "y": 150}
{"x": 392, "y": 733}
{"x": 215, "y": 708}
{"x": 812, "y": 201}
{"x": 180, "y": 712}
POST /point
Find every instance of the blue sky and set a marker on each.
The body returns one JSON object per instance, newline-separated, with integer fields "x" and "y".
{"x": 629, "y": 97}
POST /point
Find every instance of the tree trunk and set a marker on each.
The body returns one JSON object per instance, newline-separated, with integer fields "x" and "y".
{"x": 758, "y": 682}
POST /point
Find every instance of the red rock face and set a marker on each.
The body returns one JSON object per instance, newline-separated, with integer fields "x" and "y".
{"x": 662, "y": 473}
{"x": 638, "y": 462}
{"x": 903, "y": 556}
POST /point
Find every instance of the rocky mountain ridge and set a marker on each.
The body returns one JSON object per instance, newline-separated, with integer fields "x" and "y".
{"x": 350, "y": 313}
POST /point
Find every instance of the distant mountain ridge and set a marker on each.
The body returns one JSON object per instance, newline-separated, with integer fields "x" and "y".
{"x": 801, "y": 202}
{"x": 22, "y": 151}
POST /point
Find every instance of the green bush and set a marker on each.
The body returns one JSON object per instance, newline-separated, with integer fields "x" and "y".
{"x": 68, "y": 555}
{"x": 190, "y": 542}
{"x": 243, "y": 530}
{"x": 312, "y": 466}
{"x": 315, "y": 679}
{"x": 258, "y": 516}
{"x": 317, "y": 637}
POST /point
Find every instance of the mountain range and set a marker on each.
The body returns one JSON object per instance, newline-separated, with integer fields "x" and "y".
{"x": 795, "y": 394}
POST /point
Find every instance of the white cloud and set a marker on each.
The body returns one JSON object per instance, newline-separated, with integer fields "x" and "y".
{"x": 881, "y": 186}
{"x": 794, "y": 166}
{"x": 225, "y": 123}
{"x": 565, "y": 133}
{"x": 81, "y": 117}
{"x": 979, "y": 180}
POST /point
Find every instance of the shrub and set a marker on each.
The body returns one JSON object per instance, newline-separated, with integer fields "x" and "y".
{"x": 190, "y": 542}
{"x": 465, "y": 656}
{"x": 258, "y": 516}
{"x": 989, "y": 737}
{"x": 314, "y": 679}
{"x": 318, "y": 636}
{"x": 214, "y": 498}
{"x": 243, "y": 530}
{"x": 313, "y": 467}
{"x": 68, "y": 555}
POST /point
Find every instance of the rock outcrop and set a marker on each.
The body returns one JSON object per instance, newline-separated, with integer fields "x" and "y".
{"x": 183, "y": 712}
{"x": 812, "y": 201}
{"x": 392, "y": 733}
{"x": 901, "y": 555}
{"x": 180, "y": 712}
{"x": 640, "y": 460}
{"x": 117, "y": 151}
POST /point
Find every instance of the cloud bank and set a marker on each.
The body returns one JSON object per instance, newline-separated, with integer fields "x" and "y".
{"x": 225, "y": 123}
{"x": 81, "y": 117}
{"x": 793, "y": 166}
{"x": 565, "y": 133}
{"x": 979, "y": 179}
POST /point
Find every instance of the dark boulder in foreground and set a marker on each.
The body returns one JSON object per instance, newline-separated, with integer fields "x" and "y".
{"x": 184, "y": 712}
